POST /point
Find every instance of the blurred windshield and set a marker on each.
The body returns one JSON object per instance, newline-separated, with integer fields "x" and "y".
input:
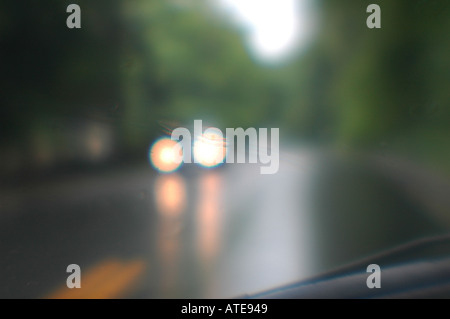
{"x": 344, "y": 149}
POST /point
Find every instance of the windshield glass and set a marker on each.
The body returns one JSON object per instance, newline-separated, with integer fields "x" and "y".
{"x": 216, "y": 148}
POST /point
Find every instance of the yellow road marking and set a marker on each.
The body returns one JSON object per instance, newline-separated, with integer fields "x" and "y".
{"x": 110, "y": 279}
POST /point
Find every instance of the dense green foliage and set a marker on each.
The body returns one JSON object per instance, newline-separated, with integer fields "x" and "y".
{"x": 136, "y": 64}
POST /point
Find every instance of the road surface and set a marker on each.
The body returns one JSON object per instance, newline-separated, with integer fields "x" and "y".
{"x": 215, "y": 233}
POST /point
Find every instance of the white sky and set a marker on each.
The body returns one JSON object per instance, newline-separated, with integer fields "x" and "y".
{"x": 276, "y": 27}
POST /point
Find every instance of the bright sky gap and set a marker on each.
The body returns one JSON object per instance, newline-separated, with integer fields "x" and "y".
{"x": 276, "y": 28}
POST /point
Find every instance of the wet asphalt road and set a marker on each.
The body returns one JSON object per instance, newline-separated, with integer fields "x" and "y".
{"x": 199, "y": 233}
